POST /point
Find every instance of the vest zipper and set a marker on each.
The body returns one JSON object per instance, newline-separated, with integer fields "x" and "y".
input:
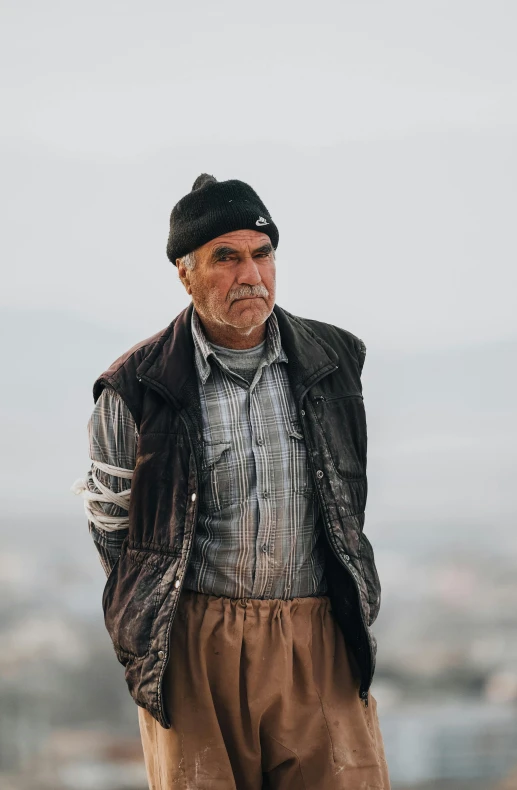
{"x": 163, "y": 391}
{"x": 158, "y": 388}
{"x": 363, "y": 689}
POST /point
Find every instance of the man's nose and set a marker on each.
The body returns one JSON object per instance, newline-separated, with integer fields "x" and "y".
{"x": 248, "y": 272}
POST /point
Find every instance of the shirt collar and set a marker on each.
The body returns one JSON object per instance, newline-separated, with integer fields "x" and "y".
{"x": 203, "y": 350}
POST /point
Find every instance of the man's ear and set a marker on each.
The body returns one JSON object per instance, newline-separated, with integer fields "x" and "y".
{"x": 184, "y": 275}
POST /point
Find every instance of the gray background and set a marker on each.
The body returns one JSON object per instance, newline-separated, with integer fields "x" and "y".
{"x": 381, "y": 136}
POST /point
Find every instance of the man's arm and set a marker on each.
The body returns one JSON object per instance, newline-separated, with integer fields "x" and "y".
{"x": 113, "y": 438}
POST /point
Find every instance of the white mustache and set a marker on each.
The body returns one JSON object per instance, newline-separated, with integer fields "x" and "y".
{"x": 247, "y": 290}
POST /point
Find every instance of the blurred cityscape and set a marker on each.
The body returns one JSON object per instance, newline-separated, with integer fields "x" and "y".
{"x": 446, "y": 682}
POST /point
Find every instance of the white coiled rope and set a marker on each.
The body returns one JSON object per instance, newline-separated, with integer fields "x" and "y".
{"x": 92, "y": 499}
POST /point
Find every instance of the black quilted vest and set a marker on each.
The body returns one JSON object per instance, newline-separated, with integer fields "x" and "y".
{"x": 157, "y": 380}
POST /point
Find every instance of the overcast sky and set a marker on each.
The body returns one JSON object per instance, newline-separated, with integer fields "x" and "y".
{"x": 382, "y": 138}
{"x": 380, "y": 135}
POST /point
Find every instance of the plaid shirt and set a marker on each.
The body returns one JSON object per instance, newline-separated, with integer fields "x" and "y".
{"x": 257, "y": 534}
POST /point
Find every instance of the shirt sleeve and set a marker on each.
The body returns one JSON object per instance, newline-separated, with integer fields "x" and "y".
{"x": 113, "y": 438}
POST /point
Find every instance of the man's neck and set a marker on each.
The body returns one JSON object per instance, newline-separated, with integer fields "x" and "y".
{"x": 233, "y": 337}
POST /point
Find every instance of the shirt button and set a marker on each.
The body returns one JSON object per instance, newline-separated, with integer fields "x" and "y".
{"x": 177, "y": 583}
{"x": 319, "y": 473}
{"x": 264, "y": 547}
{"x": 265, "y": 494}
{"x": 193, "y": 497}
{"x": 260, "y": 440}
{"x": 302, "y": 413}
{"x": 161, "y": 654}
{"x": 346, "y": 557}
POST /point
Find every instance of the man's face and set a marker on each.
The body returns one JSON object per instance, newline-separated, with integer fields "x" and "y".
{"x": 233, "y": 281}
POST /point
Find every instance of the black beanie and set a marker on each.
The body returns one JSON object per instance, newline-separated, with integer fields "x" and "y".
{"x": 213, "y": 208}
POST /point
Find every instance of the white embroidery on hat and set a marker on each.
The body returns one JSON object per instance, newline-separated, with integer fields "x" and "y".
{"x": 261, "y": 221}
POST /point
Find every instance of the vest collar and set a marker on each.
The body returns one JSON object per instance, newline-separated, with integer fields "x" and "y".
{"x": 170, "y": 362}
{"x": 310, "y": 357}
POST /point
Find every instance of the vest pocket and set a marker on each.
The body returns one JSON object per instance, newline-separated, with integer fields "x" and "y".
{"x": 131, "y": 598}
{"x": 342, "y": 420}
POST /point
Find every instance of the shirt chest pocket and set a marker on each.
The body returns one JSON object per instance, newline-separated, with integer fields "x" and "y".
{"x": 217, "y": 482}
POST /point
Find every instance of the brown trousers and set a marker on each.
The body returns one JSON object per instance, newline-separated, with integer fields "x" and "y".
{"x": 262, "y": 694}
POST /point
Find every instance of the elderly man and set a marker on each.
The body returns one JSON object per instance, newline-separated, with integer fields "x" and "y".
{"x": 226, "y": 499}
